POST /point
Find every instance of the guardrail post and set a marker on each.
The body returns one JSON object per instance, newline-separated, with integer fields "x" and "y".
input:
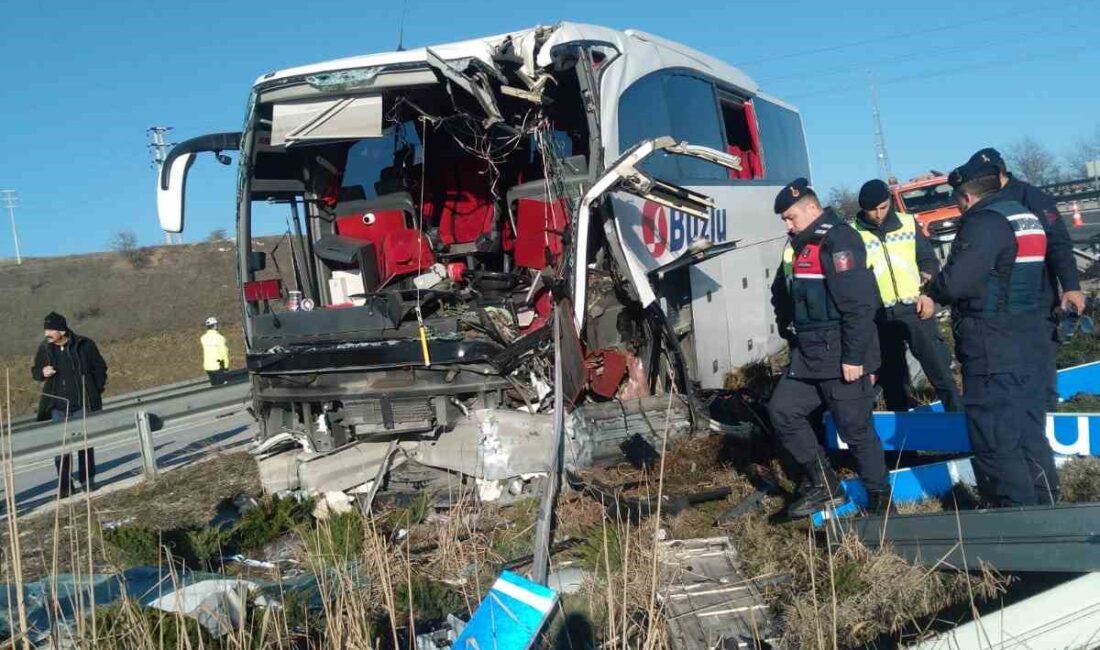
{"x": 145, "y": 440}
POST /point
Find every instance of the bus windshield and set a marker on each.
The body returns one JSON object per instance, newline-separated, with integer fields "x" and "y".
{"x": 928, "y": 198}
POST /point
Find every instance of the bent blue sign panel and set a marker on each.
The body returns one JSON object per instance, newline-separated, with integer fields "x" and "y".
{"x": 510, "y": 616}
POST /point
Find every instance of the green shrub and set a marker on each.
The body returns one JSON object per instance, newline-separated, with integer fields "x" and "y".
{"x": 133, "y": 545}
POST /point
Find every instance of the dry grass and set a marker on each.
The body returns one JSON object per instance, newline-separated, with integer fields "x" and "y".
{"x": 183, "y": 498}
{"x": 853, "y": 595}
{"x": 1080, "y": 480}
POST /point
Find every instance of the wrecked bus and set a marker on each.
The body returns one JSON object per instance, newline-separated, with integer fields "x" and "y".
{"x": 439, "y": 205}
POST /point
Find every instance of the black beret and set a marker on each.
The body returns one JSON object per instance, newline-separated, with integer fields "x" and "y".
{"x": 974, "y": 168}
{"x": 873, "y": 193}
{"x": 792, "y": 193}
{"x": 990, "y": 156}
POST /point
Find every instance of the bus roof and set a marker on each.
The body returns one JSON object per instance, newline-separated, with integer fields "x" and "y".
{"x": 672, "y": 54}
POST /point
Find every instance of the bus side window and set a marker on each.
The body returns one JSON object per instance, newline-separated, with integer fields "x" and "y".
{"x": 742, "y": 137}
{"x": 782, "y": 142}
{"x": 695, "y": 119}
{"x": 676, "y": 104}
{"x": 643, "y": 114}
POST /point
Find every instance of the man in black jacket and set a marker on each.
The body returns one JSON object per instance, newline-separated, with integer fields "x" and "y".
{"x": 74, "y": 376}
{"x": 825, "y": 300}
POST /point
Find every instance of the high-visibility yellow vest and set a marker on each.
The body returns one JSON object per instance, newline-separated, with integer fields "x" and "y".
{"x": 215, "y": 352}
{"x": 893, "y": 260}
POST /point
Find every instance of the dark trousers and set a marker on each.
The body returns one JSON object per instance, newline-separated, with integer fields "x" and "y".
{"x": 900, "y": 327}
{"x": 793, "y": 406}
{"x": 64, "y": 462}
{"x": 1006, "y": 421}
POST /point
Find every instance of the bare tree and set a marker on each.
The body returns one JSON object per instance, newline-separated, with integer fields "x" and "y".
{"x": 1085, "y": 149}
{"x": 217, "y": 235}
{"x": 844, "y": 201}
{"x": 124, "y": 243}
{"x": 1031, "y": 160}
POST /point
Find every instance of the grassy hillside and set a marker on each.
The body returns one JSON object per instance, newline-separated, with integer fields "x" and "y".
{"x": 146, "y": 318}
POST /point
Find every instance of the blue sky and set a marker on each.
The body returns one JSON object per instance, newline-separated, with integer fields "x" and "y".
{"x": 84, "y": 80}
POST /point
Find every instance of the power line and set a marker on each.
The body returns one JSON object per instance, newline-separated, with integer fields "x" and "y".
{"x": 901, "y": 34}
{"x": 924, "y": 53}
{"x": 947, "y": 71}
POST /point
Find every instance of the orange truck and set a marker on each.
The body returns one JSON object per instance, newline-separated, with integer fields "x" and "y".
{"x": 928, "y": 197}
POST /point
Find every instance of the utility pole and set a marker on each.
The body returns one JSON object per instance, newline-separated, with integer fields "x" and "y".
{"x": 880, "y": 136}
{"x": 158, "y": 151}
{"x": 11, "y": 201}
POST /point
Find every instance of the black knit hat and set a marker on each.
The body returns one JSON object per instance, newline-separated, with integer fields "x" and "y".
{"x": 872, "y": 194}
{"x": 55, "y": 321}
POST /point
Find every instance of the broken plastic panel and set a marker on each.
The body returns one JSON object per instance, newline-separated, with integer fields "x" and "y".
{"x": 930, "y": 429}
{"x": 1076, "y": 434}
{"x": 908, "y": 485}
{"x": 510, "y": 616}
{"x": 329, "y": 119}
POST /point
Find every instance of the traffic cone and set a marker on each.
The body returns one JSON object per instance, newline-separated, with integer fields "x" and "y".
{"x": 1077, "y": 220}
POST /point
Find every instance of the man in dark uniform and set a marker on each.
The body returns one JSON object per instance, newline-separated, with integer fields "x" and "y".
{"x": 1061, "y": 266}
{"x": 900, "y": 256}
{"x": 825, "y": 300}
{"x": 993, "y": 280}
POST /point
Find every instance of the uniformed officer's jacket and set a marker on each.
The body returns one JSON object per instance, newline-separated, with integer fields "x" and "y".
{"x": 897, "y": 252}
{"x": 1061, "y": 263}
{"x": 993, "y": 279}
{"x": 215, "y": 352}
{"x": 825, "y": 300}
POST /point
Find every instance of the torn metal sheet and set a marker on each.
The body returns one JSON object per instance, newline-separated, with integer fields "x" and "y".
{"x": 909, "y": 485}
{"x": 597, "y": 431}
{"x": 337, "y": 471}
{"x": 492, "y": 445}
{"x": 1036, "y": 538}
{"x": 708, "y": 602}
{"x": 477, "y": 89}
{"x": 1066, "y": 616}
{"x": 218, "y": 605}
{"x": 624, "y": 175}
{"x": 511, "y": 615}
{"x": 1071, "y": 434}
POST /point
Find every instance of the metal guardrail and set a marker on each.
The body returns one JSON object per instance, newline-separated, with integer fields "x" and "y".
{"x": 1085, "y": 259}
{"x": 1078, "y": 190}
{"x": 165, "y": 404}
{"x": 129, "y": 401}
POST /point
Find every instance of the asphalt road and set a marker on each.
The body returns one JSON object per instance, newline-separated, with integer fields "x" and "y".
{"x": 1091, "y": 227}
{"x": 118, "y": 456}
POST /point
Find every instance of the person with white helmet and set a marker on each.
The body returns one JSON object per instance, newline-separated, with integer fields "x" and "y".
{"x": 215, "y": 353}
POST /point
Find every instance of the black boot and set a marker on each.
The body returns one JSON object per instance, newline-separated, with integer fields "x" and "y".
{"x": 824, "y": 492}
{"x": 879, "y": 503}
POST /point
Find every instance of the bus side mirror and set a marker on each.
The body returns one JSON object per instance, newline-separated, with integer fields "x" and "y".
{"x": 170, "y": 193}
{"x": 257, "y": 261}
